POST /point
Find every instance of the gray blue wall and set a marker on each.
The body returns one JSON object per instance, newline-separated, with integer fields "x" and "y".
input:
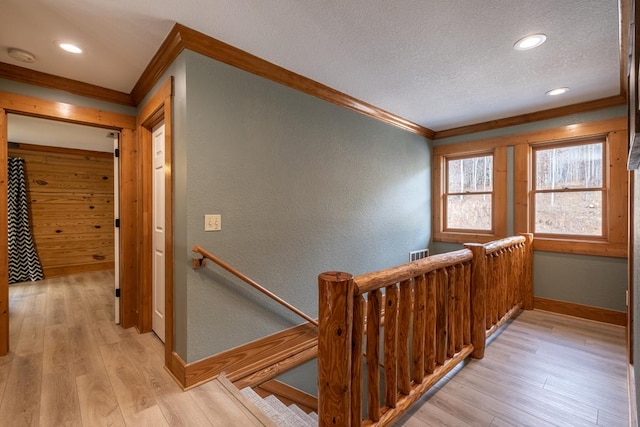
{"x": 303, "y": 186}
{"x": 582, "y": 279}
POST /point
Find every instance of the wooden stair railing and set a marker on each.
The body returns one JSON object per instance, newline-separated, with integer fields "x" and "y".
{"x": 254, "y": 284}
{"x": 437, "y": 311}
{"x": 502, "y": 278}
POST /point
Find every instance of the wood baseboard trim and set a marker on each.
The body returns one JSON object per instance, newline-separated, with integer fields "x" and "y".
{"x": 633, "y": 407}
{"x": 269, "y": 353}
{"x": 177, "y": 368}
{"x": 37, "y": 78}
{"x": 73, "y": 269}
{"x": 583, "y": 311}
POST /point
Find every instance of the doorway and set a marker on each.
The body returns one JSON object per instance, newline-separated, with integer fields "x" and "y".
{"x": 157, "y": 111}
{"x": 158, "y": 215}
{"x": 24, "y": 105}
{"x": 72, "y": 193}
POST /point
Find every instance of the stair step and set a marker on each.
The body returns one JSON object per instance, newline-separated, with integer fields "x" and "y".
{"x": 305, "y": 417}
{"x": 291, "y": 417}
{"x": 274, "y": 409}
{"x": 281, "y": 414}
{"x": 267, "y": 409}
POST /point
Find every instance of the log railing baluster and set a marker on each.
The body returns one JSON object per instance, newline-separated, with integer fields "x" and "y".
{"x": 442, "y": 322}
{"x": 419, "y": 331}
{"x": 430, "y": 323}
{"x": 466, "y": 305}
{"x": 356, "y": 360}
{"x": 373, "y": 354}
{"x": 391, "y": 345}
{"x": 404, "y": 332}
{"x": 451, "y": 311}
{"x": 459, "y": 326}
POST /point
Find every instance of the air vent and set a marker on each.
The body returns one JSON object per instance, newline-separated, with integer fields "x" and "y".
{"x": 416, "y": 255}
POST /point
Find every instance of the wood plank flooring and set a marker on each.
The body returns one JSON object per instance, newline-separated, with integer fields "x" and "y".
{"x": 71, "y": 365}
{"x": 543, "y": 369}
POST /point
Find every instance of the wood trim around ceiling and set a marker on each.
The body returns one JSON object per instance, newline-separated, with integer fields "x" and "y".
{"x": 624, "y": 12}
{"x": 37, "y": 78}
{"x": 182, "y": 37}
{"x": 552, "y": 113}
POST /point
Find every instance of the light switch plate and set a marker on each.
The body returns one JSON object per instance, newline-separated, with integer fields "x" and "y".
{"x": 212, "y": 223}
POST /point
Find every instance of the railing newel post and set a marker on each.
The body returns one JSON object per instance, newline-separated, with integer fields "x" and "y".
{"x": 527, "y": 277}
{"x": 336, "y": 292}
{"x": 478, "y": 298}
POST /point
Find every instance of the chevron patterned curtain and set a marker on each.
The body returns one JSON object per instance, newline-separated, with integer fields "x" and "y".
{"x": 24, "y": 264}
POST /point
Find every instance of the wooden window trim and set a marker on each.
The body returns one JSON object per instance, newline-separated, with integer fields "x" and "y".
{"x": 603, "y": 237}
{"x": 499, "y": 198}
{"x": 614, "y": 243}
{"x": 617, "y": 179}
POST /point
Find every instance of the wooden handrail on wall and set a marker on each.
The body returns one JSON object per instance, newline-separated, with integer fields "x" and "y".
{"x": 437, "y": 311}
{"x": 254, "y": 284}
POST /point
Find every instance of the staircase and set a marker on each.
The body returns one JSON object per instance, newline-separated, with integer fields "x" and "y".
{"x": 279, "y": 413}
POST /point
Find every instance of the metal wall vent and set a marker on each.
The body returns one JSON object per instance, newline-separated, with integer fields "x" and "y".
{"x": 416, "y": 255}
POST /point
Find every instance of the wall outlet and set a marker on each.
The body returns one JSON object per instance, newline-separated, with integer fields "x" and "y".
{"x": 212, "y": 223}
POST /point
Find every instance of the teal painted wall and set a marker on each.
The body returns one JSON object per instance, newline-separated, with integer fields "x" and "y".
{"x": 303, "y": 186}
{"x": 581, "y": 279}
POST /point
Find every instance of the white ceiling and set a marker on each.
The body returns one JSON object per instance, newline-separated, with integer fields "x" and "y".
{"x": 31, "y": 130}
{"x": 441, "y": 64}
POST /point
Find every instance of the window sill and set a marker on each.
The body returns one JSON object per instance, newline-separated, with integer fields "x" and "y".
{"x": 452, "y": 237}
{"x": 583, "y": 247}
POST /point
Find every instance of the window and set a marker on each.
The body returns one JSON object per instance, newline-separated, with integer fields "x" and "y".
{"x": 568, "y": 185}
{"x": 570, "y": 188}
{"x": 568, "y": 196}
{"x": 468, "y": 196}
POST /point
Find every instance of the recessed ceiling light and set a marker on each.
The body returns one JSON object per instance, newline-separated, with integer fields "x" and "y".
{"x": 69, "y": 47}
{"x": 529, "y": 42}
{"x": 21, "y": 55}
{"x": 557, "y": 91}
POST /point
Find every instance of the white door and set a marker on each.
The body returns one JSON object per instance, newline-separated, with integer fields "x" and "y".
{"x": 116, "y": 215}
{"x": 158, "y": 232}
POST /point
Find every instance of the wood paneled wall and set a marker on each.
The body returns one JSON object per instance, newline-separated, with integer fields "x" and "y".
{"x": 71, "y": 200}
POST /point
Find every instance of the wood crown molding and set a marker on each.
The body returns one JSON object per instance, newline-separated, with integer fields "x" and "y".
{"x": 582, "y": 311}
{"x": 182, "y": 37}
{"x": 37, "y": 78}
{"x": 552, "y": 113}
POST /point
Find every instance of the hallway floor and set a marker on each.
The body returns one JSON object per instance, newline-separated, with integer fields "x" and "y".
{"x": 71, "y": 365}
{"x": 543, "y": 369}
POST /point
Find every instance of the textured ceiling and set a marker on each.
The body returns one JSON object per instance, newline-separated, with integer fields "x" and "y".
{"x": 441, "y": 64}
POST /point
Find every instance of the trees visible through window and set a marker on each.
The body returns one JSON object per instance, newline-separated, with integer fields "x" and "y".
{"x": 469, "y": 193}
{"x": 568, "y": 197}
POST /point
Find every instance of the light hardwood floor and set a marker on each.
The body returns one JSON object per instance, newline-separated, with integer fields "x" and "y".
{"x": 70, "y": 365}
{"x": 543, "y": 369}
